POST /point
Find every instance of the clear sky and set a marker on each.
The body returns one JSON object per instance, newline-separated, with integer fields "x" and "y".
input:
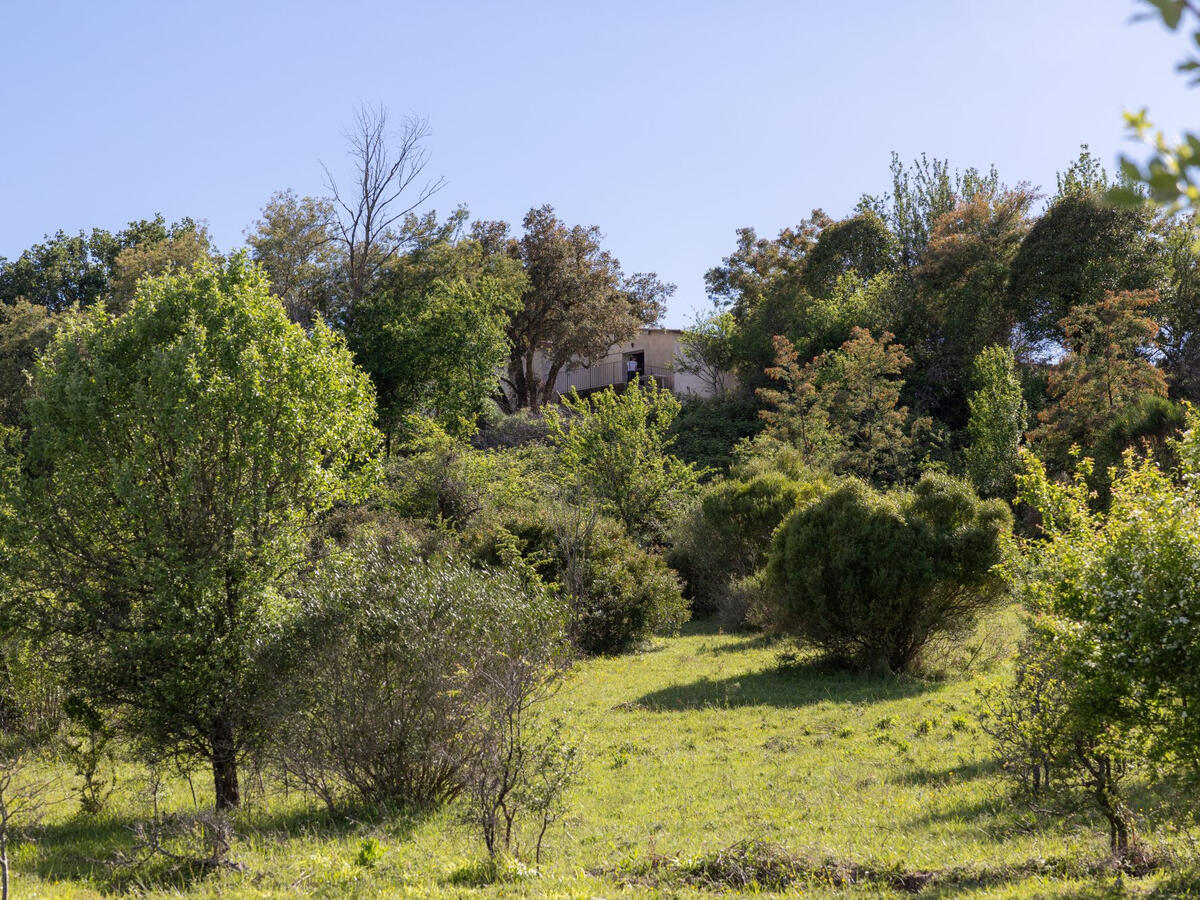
{"x": 668, "y": 124}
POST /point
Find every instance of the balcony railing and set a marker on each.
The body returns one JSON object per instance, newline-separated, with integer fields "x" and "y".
{"x": 593, "y": 378}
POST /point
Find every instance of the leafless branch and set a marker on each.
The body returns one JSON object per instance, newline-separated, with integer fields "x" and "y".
{"x": 386, "y": 188}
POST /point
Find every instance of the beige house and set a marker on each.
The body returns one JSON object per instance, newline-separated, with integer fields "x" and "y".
{"x": 652, "y": 354}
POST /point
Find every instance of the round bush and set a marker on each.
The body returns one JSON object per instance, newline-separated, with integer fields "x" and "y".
{"x": 871, "y": 577}
{"x": 728, "y": 535}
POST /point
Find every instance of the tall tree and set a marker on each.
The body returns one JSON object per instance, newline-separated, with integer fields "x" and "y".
{"x": 294, "y": 245}
{"x": 921, "y": 192}
{"x": 386, "y": 188}
{"x": 961, "y": 302}
{"x": 177, "y": 455}
{"x": 432, "y": 332}
{"x": 861, "y": 244}
{"x": 997, "y": 423}
{"x": 1105, "y": 370}
{"x": 577, "y": 304}
{"x": 758, "y": 265}
{"x": 1081, "y": 248}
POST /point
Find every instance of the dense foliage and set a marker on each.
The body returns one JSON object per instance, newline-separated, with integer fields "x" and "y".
{"x": 175, "y": 456}
{"x": 394, "y": 665}
{"x": 872, "y": 577}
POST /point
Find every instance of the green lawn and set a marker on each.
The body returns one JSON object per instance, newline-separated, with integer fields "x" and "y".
{"x": 702, "y": 742}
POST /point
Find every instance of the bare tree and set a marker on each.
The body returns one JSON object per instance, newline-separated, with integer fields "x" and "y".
{"x": 386, "y": 188}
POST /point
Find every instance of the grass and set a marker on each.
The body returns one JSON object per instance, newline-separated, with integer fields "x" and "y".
{"x": 712, "y": 761}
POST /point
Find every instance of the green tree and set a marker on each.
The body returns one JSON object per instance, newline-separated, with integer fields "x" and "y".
{"x": 1115, "y": 611}
{"x": 1080, "y": 249}
{"x": 432, "y": 332}
{"x": 67, "y": 269}
{"x": 961, "y": 303}
{"x": 705, "y": 351}
{"x": 1105, "y": 371}
{"x": 25, "y": 330}
{"x": 758, "y": 265}
{"x": 615, "y": 446}
{"x": 923, "y": 191}
{"x": 178, "y": 250}
{"x": 177, "y": 455}
{"x": 293, "y": 245}
{"x": 576, "y": 305}
{"x": 861, "y": 244}
{"x": 997, "y": 423}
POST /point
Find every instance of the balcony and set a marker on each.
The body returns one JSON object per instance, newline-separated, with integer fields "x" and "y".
{"x": 598, "y": 377}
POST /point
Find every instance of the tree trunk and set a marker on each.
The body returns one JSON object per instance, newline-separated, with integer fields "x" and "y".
{"x": 224, "y": 763}
{"x": 531, "y": 385}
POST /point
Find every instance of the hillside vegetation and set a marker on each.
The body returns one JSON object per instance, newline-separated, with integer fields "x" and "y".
{"x": 702, "y": 743}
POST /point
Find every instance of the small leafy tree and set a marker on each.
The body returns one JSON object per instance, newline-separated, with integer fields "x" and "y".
{"x": 1106, "y": 370}
{"x": 1115, "y": 589}
{"x": 615, "y": 447}
{"x": 840, "y": 409}
{"x": 706, "y": 352}
{"x": 177, "y": 455}
{"x": 871, "y": 577}
{"x": 1113, "y": 615}
{"x": 997, "y": 423}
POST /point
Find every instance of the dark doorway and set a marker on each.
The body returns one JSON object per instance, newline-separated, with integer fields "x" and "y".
{"x": 635, "y": 365}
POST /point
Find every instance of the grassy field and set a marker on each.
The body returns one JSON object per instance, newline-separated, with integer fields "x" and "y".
{"x": 701, "y": 743}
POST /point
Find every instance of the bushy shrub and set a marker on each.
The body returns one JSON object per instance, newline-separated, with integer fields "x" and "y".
{"x": 398, "y": 664}
{"x": 627, "y": 594}
{"x": 871, "y": 577}
{"x": 706, "y": 430}
{"x": 728, "y": 534}
{"x": 612, "y": 451}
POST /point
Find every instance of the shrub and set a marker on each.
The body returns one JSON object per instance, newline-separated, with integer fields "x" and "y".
{"x": 400, "y": 662}
{"x": 871, "y": 577}
{"x": 728, "y": 534}
{"x": 627, "y": 594}
{"x": 706, "y": 430}
{"x": 612, "y": 451}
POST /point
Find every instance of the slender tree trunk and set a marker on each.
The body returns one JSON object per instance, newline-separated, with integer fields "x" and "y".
{"x": 531, "y": 385}
{"x": 224, "y": 763}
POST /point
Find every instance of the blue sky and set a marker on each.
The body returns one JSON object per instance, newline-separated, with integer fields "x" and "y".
{"x": 668, "y": 124}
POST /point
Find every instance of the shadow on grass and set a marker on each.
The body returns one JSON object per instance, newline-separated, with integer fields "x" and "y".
{"x": 301, "y": 820}
{"x": 88, "y": 849}
{"x": 803, "y": 684}
{"x": 80, "y": 848}
{"x": 942, "y": 777}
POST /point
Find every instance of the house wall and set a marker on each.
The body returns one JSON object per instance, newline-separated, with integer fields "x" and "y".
{"x": 659, "y": 346}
